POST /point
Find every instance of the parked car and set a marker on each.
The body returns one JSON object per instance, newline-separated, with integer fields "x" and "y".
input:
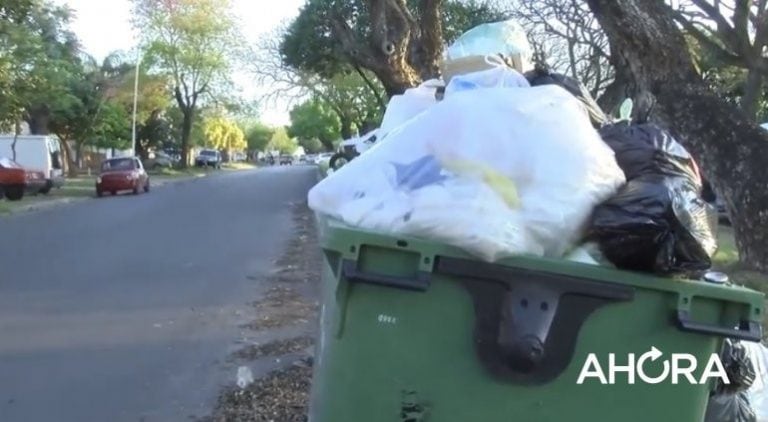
{"x": 161, "y": 160}
{"x": 15, "y": 180}
{"x": 323, "y": 157}
{"x": 122, "y": 174}
{"x": 286, "y": 160}
{"x": 208, "y": 158}
{"x": 37, "y": 153}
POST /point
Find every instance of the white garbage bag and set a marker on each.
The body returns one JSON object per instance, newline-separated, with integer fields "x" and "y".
{"x": 499, "y": 76}
{"x": 402, "y": 108}
{"x": 758, "y": 392}
{"x": 495, "y": 171}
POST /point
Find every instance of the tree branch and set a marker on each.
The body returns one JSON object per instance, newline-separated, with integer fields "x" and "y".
{"x": 706, "y": 41}
{"x": 358, "y": 52}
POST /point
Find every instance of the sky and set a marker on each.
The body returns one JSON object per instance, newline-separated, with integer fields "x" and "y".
{"x": 104, "y": 26}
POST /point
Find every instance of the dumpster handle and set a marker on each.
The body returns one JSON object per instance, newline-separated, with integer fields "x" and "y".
{"x": 747, "y": 330}
{"x": 420, "y": 282}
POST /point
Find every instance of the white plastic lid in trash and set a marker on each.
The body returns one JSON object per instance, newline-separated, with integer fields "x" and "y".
{"x": 505, "y": 37}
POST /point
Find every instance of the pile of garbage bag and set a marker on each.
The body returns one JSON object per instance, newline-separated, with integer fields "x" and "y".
{"x": 657, "y": 221}
{"x": 505, "y": 159}
{"x": 495, "y": 171}
{"x": 745, "y": 397}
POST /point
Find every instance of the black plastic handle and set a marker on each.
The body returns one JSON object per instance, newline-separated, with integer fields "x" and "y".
{"x": 420, "y": 282}
{"x": 747, "y": 330}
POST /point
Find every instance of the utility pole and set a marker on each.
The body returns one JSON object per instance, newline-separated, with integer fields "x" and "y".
{"x": 135, "y": 101}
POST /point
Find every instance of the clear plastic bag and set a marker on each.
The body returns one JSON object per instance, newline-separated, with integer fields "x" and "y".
{"x": 506, "y": 37}
{"x": 758, "y": 391}
{"x": 411, "y": 103}
{"x": 499, "y": 76}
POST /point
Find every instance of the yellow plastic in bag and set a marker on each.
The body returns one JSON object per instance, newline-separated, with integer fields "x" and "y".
{"x": 500, "y": 184}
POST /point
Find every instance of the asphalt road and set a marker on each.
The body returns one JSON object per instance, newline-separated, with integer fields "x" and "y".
{"x": 126, "y": 308}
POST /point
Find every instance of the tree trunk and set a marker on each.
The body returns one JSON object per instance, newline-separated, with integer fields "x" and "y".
{"x": 346, "y": 127}
{"x": 186, "y": 133}
{"x": 616, "y": 91}
{"x": 731, "y": 149}
{"x": 396, "y": 78}
{"x": 79, "y": 154}
{"x": 380, "y": 101}
{"x": 38, "y": 119}
{"x": 753, "y": 91}
{"x": 400, "y": 50}
{"x": 16, "y": 133}
{"x": 69, "y": 167}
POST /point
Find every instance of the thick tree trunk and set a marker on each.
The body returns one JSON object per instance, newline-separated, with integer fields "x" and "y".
{"x": 397, "y": 77}
{"x": 186, "y": 133}
{"x": 400, "y": 50}
{"x": 616, "y": 91}
{"x": 16, "y": 133}
{"x": 68, "y": 162}
{"x": 732, "y": 151}
{"x": 753, "y": 91}
{"x": 38, "y": 119}
{"x": 346, "y": 127}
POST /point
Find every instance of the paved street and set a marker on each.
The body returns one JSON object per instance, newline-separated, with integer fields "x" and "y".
{"x": 126, "y": 308}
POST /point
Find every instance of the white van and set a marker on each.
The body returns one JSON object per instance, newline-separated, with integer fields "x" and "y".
{"x": 37, "y": 152}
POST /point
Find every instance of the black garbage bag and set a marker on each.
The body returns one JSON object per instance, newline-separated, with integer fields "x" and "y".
{"x": 738, "y": 366}
{"x": 543, "y": 76}
{"x": 656, "y": 223}
{"x": 648, "y": 149}
{"x": 730, "y": 402}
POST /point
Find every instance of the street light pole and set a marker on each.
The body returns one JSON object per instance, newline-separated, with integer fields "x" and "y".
{"x": 135, "y": 101}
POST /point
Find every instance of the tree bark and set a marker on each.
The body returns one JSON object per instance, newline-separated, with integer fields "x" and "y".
{"x": 67, "y": 164}
{"x": 753, "y": 91}
{"x": 400, "y": 51}
{"x": 186, "y": 132}
{"x": 38, "y": 119}
{"x": 16, "y": 133}
{"x": 346, "y": 127}
{"x": 79, "y": 153}
{"x": 732, "y": 150}
{"x": 617, "y": 90}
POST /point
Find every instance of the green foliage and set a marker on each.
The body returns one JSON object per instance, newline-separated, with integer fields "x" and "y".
{"x": 312, "y": 145}
{"x": 193, "y": 42}
{"x": 38, "y": 57}
{"x": 282, "y": 142}
{"x": 113, "y": 128}
{"x": 258, "y": 137}
{"x": 315, "y": 120}
{"x": 310, "y": 43}
{"x": 224, "y": 134}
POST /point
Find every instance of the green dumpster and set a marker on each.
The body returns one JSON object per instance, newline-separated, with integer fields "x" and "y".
{"x": 414, "y": 331}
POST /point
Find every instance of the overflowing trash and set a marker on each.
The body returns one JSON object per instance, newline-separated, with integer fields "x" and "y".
{"x": 495, "y": 171}
{"x": 500, "y": 159}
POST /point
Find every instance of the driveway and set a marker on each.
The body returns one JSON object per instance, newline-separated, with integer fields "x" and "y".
{"x": 126, "y": 308}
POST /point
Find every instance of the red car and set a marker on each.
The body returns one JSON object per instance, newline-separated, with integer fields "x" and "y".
{"x": 121, "y": 174}
{"x": 15, "y": 180}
